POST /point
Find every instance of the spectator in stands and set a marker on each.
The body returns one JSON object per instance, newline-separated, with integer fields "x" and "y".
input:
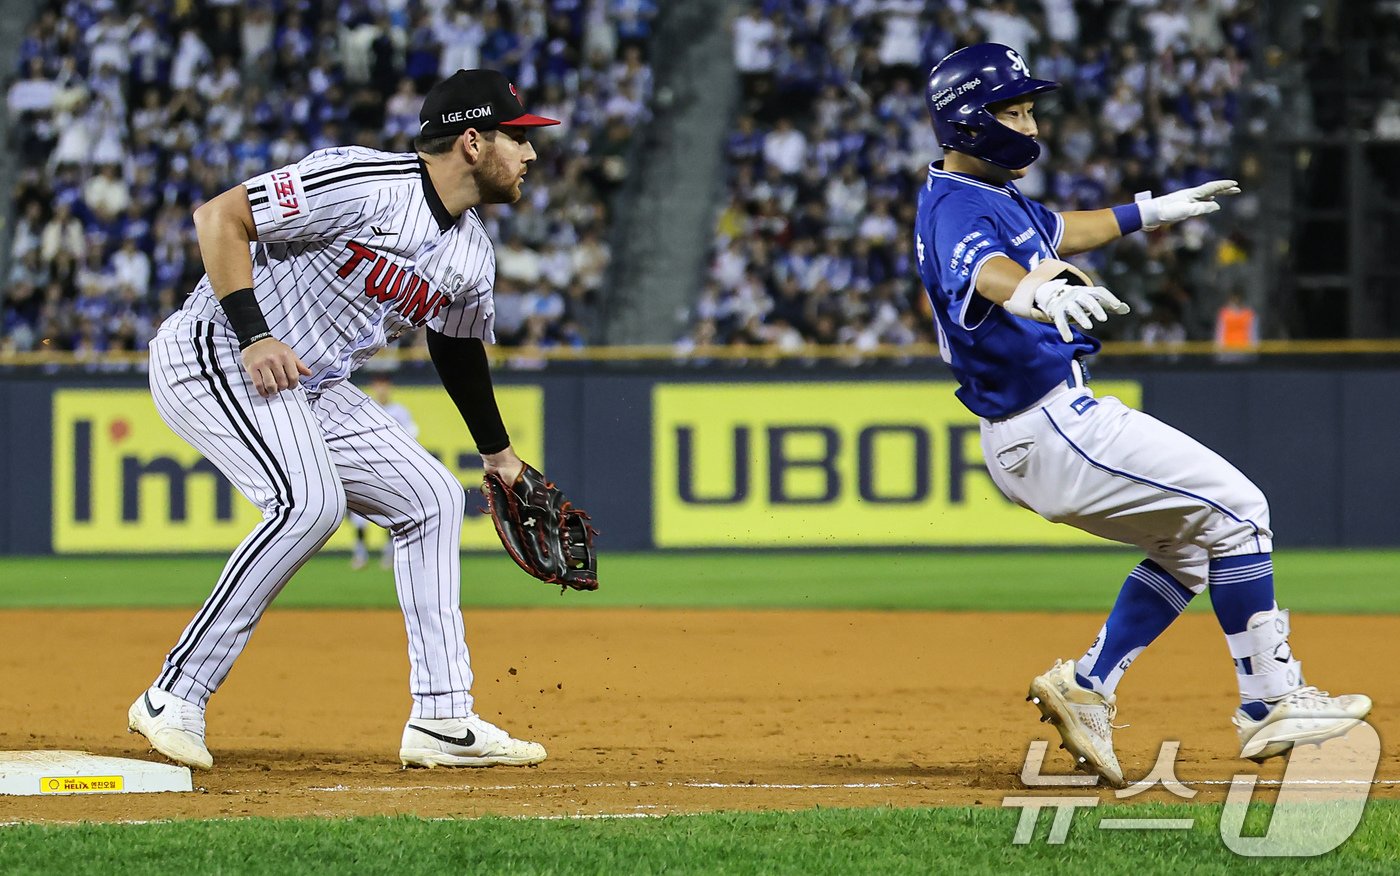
{"x": 35, "y": 93}
{"x": 1236, "y": 325}
{"x": 1387, "y": 124}
{"x": 19, "y": 318}
{"x": 1003, "y": 23}
{"x": 756, "y": 41}
{"x": 62, "y": 234}
{"x": 518, "y": 263}
{"x": 29, "y": 270}
{"x": 28, "y": 230}
{"x": 785, "y": 149}
{"x": 106, "y": 194}
{"x": 401, "y": 113}
{"x": 131, "y": 268}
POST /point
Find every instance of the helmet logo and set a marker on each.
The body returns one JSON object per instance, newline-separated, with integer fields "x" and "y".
{"x": 1018, "y": 64}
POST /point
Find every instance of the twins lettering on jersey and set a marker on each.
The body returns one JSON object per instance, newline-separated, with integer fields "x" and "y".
{"x": 391, "y": 283}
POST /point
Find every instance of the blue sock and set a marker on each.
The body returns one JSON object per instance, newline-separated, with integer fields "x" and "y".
{"x": 1240, "y": 587}
{"x": 1149, "y": 601}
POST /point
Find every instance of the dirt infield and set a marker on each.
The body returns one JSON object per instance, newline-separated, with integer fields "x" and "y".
{"x": 643, "y": 712}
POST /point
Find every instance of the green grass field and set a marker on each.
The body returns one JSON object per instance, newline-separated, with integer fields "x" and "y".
{"x": 947, "y": 840}
{"x": 1343, "y": 582}
{"x": 953, "y": 840}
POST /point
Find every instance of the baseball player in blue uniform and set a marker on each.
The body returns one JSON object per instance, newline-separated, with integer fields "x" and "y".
{"x": 1011, "y": 318}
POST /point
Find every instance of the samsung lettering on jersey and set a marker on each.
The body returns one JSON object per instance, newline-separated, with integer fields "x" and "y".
{"x": 476, "y": 112}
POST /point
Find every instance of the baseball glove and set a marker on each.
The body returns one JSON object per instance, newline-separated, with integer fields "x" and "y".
{"x": 542, "y": 531}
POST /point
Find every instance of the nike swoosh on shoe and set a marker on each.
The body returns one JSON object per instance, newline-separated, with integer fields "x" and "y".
{"x": 466, "y": 742}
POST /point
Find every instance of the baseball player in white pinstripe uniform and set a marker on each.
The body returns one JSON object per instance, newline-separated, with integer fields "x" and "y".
{"x": 311, "y": 269}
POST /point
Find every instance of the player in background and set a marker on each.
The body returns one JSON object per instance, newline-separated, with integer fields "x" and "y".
{"x": 381, "y": 389}
{"x": 1009, "y": 316}
{"x": 311, "y": 269}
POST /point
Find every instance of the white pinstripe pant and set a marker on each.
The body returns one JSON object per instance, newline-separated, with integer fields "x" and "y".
{"x": 303, "y": 460}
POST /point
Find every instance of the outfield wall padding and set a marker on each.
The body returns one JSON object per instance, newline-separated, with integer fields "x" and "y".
{"x": 723, "y": 456}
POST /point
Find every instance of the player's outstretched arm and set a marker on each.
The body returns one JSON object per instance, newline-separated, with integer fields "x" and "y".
{"x": 465, "y": 372}
{"x": 1090, "y": 229}
{"x": 224, "y": 227}
{"x": 1055, "y": 291}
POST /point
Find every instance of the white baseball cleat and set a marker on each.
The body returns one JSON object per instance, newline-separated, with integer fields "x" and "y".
{"x": 1307, "y": 715}
{"x": 469, "y": 742}
{"x": 1084, "y": 718}
{"x": 173, "y": 726}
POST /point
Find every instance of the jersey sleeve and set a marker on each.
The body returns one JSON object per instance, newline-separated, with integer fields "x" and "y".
{"x": 472, "y": 314}
{"x": 962, "y": 244}
{"x": 1049, "y": 220}
{"x": 326, "y": 193}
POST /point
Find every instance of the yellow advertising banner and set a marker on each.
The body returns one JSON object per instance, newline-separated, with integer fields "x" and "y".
{"x": 123, "y": 482}
{"x": 831, "y": 464}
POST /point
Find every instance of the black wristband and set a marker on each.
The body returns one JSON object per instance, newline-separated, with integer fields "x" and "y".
{"x": 241, "y": 308}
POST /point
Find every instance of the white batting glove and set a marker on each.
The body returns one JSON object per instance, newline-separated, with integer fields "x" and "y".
{"x": 1176, "y": 206}
{"x": 1059, "y": 302}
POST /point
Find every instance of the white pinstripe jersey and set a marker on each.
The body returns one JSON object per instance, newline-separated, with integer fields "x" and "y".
{"x": 355, "y": 248}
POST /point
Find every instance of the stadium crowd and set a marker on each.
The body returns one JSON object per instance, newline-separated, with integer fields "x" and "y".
{"x": 125, "y": 116}
{"x": 813, "y": 242}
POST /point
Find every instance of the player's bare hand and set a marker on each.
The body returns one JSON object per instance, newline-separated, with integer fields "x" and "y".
{"x": 273, "y": 367}
{"x": 1059, "y": 302}
{"x": 1176, "y": 206}
{"x": 506, "y": 464}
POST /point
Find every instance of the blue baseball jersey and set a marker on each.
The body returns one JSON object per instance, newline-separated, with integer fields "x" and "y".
{"x": 1004, "y": 363}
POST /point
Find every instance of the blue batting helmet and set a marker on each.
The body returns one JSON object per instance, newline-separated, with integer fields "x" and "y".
{"x": 962, "y": 85}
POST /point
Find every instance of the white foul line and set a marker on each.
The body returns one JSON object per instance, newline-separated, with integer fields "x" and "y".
{"x": 573, "y": 786}
{"x": 761, "y": 786}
